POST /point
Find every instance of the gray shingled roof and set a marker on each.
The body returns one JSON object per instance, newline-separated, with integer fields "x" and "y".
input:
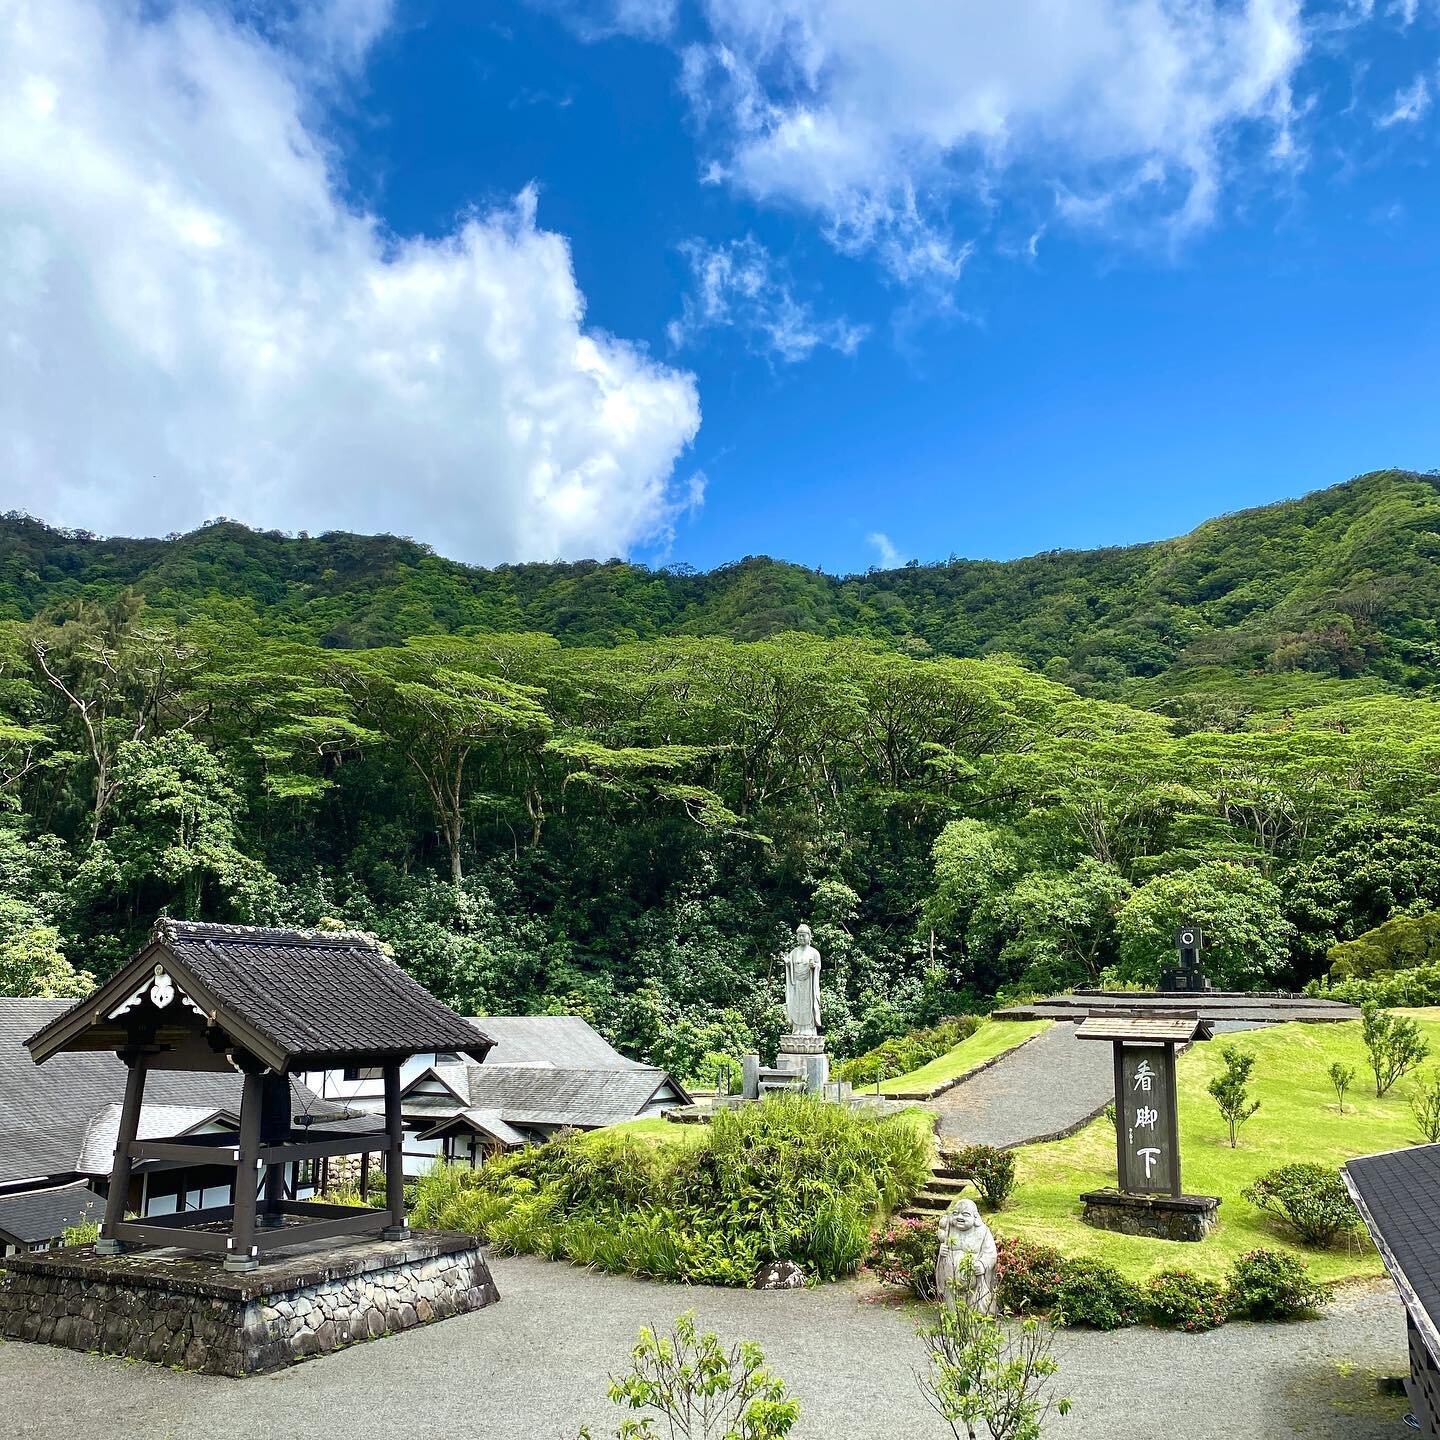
{"x": 29, "y": 1216}
{"x": 289, "y": 996}
{"x": 47, "y": 1110}
{"x": 568, "y": 1042}
{"x": 1398, "y": 1194}
{"x": 527, "y": 1095}
{"x": 488, "y": 1122}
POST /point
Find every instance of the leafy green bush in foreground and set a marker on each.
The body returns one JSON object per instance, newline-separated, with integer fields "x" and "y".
{"x": 1311, "y": 1199}
{"x": 1268, "y": 1285}
{"x": 789, "y": 1179}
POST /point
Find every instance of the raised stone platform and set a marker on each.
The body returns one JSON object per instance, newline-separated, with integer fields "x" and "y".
{"x": 1158, "y": 1217}
{"x": 1215, "y": 1007}
{"x": 176, "y": 1308}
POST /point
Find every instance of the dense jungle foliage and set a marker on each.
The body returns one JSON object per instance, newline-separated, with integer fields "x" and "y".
{"x": 603, "y": 789}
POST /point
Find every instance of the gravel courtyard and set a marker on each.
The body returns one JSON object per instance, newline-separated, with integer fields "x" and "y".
{"x": 534, "y": 1367}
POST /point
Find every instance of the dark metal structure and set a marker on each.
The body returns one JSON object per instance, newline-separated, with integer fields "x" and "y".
{"x": 1187, "y": 976}
{"x": 1398, "y": 1196}
{"x": 267, "y": 1004}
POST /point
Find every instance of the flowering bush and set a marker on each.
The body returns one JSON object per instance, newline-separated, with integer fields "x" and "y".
{"x": 1266, "y": 1285}
{"x": 903, "y": 1254}
{"x": 1028, "y": 1275}
{"x": 1188, "y": 1302}
{"x": 1098, "y": 1295}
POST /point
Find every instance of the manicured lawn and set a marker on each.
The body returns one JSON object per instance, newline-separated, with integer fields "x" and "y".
{"x": 993, "y": 1038}
{"x": 655, "y": 1129}
{"x": 1298, "y": 1120}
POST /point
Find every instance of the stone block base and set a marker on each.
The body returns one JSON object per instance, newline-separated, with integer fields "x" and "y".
{"x": 182, "y": 1309}
{"x": 1160, "y": 1217}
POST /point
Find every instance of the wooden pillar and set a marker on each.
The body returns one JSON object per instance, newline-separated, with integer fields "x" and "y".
{"x": 242, "y": 1253}
{"x": 119, "y": 1194}
{"x": 394, "y": 1157}
{"x": 274, "y": 1130}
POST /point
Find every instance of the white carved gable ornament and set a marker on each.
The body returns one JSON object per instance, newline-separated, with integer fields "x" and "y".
{"x": 161, "y": 989}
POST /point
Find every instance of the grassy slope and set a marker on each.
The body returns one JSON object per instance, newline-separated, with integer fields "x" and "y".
{"x": 993, "y": 1038}
{"x": 1297, "y": 1120}
{"x": 657, "y": 1130}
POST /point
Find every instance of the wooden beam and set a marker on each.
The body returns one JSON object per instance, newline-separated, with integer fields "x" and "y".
{"x": 353, "y": 1144}
{"x": 143, "y": 1234}
{"x": 179, "y": 1219}
{"x": 394, "y": 1156}
{"x": 186, "y": 1152}
{"x": 357, "y": 1222}
{"x": 119, "y": 1194}
{"x": 242, "y": 1249}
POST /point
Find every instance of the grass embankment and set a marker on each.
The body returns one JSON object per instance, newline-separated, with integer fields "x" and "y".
{"x": 993, "y": 1038}
{"x": 1298, "y": 1119}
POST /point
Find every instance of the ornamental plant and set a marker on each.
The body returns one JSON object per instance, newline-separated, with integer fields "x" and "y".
{"x": 1187, "y": 1301}
{"x": 696, "y": 1388}
{"x": 903, "y": 1253}
{"x": 1028, "y": 1275}
{"x": 1425, "y": 1106}
{"x": 1310, "y": 1199}
{"x": 1268, "y": 1285}
{"x": 1341, "y": 1077}
{"x": 1393, "y": 1043}
{"x": 1231, "y": 1090}
{"x": 984, "y": 1378}
{"x": 1097, "y": 1295}
{"x": 992, "y": 1170}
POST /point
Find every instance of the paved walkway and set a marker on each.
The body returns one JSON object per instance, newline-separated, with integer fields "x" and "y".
{"x": 534, "y": 1367}
{"x": 1050, "y": 1084}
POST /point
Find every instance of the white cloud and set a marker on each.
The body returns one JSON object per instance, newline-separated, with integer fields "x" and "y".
{"x": 1409, "y": 104}
{"x": 877, "y": 118}
{"x": 193, "y": 321}
{"x": 890, "y": 558}
{"x": 739, "y": 284}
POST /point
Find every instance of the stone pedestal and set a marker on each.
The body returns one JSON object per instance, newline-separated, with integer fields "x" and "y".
{"x": 1160, "y": 1217}
{"x": 182, "y": 1309}
{"x": 804, "y": 1055}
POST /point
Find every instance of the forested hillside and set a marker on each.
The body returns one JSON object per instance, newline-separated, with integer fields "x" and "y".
{"x": 1342, "y": 582}
{"x": 606, "y": 789}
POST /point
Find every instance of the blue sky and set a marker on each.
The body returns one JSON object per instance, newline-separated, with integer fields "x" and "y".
{"x": 699, "y": 280}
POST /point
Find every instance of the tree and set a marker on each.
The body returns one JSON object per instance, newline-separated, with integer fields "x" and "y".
{"x": 1425, "y": 1106}
{"x": 438, "y": 701}
{"x": 982, "y": 1374}
{"x": 31, "y": 961}
{"x": 700, "y": 1389}
{"x": 1231, "y": 1092}
{"x": 1246, "y": 936}
{"x": 1401, "y": 943}
{"x": 1341, "y": 1076}
{"x": 1393, "y": 1043}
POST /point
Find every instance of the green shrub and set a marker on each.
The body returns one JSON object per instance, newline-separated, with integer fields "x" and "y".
{"x": 903, "y": 1253}
{"x": 1425, "y": 1106}
{"x": 789, "y": 1179}
{"x": 1186, "y": 1301}
{"x": 1028, "y": 1276}
{"x": 1386, "y": 988}
{"x": 1097, "y": 1295}
{"x": 992, "y": 1170}
{"x": 1267, "y": 1285}
{"x": 1393, "y": 1042}
{"x": 83, "y": 1232}
{"x": 908, "y": 1052}
{"x": 700, "y": 1389}
{"x": 1230, "y": 1089}
{"x": 1311, "y": 1199}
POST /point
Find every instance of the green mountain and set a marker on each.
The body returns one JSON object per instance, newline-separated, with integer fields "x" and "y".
{"x": 1342, "y": 582}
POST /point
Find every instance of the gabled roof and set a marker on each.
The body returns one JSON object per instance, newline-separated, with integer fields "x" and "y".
{"x": 485, "y": 1122}
{"x": 542, "y": 1095}
{"x": 29, "y": 1216}
{"x": 295, "y": 999}
{"x": 47, "y": 1110}
{"x": 1398, "y": 1196}
{"x": 157, "y": 1122}
{"x": 568, "y": 1042}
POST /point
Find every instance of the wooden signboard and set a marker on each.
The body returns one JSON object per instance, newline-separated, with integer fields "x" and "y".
{"x": 1146, "y": 1131}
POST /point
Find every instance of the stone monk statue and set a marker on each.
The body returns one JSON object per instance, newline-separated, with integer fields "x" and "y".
{"x": 802, "y": 985}
{"x": 965, "y": 1266}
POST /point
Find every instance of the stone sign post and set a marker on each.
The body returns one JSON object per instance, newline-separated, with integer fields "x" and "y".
{"x": 1148, "y": 1200}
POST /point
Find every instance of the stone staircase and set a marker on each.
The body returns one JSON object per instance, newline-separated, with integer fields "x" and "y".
{"x": 944, "y": 1187}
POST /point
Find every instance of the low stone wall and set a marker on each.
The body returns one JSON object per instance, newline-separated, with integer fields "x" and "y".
{"x": 1158, "y": 1217}
{"x": 185, "y": 1310}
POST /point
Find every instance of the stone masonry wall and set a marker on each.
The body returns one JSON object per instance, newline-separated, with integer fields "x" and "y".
{"x": 230, "y": 1328}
